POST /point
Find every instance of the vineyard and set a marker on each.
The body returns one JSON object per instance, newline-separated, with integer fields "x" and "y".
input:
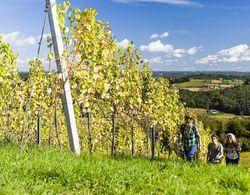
{"x": 127, "y": 121}
{"x": 119, "y": 107}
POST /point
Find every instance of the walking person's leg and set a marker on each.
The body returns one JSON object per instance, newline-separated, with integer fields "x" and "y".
{"x": 191, "y": 152}
{"x": 232, "y": 161}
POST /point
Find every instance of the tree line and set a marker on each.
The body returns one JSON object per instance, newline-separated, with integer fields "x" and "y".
{"x": 206, "y": 75}
{"x": 234, "y": 100}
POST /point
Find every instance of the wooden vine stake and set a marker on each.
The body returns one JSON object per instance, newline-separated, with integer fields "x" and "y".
{"x": 132, "y": 136}
{"x": 113, "y": 130}
{"x": 8, "y": 123}
{"x": 152, "y": 142}
{"x": 89, "y": 134}
{"x": 38, "y": 128}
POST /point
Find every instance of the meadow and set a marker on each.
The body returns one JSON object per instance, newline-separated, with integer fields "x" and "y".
{"x": 48, "y": 170}
{"x": 219, "y": 115}
{"x": 194, "y": 83}
{"x": 199, "y": 84}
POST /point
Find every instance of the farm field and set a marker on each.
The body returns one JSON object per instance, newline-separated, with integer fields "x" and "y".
{"x": 43, "y": 170}
{"x": 199, "y": 84}
{"x": 220, "y": 115}
{"x": 194, "y": 83}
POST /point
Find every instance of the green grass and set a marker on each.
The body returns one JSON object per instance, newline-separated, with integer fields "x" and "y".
{"x": 220, "y": 115}
{"x": 245, "y": 159}
{"x": 194, "y": 83}
{"x": 51, "y": 171}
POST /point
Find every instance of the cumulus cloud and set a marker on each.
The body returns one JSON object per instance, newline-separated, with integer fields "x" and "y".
{"x": 206, "y": 60}
{"x": 157, "y": 46}
{"x": 161, "y": 36}
{"x": 171, "y": 2}
{"x": 239, "y": 53}
{"x": 123, "y": 44}
{"x": 154, "y": 36}
{"x": 193, "y": 50}
{"x": 169, "y": 49}
{"x": 20, "y": 40}
{"x": 26, "y": 41}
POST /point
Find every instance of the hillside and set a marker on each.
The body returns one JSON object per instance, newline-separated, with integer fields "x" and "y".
{"x": 50, "y": 171}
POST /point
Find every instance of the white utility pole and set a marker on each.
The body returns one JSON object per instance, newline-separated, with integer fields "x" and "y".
{"x": 62, "y": 68}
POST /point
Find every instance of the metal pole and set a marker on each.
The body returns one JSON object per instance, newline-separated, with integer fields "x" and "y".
{"x": 62, "y": 68}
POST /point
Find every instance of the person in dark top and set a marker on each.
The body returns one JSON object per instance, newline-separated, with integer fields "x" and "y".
{"x": 215, "y": 151}
{"x": 232, "y": 149}
{"x": 190, "y": 138}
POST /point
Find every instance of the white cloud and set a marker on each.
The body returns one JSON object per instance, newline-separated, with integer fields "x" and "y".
{"x": 161, "y": 36}
{"x": 158, "y": 46}
{"x": 26, "y": 41}
{"x": 179, "y": 53}
{"x": 20, "y": 40}
{"x": 206, "y": 60}
{"x": 193, "y": 50}
{"x": 156, "y": 60}
{"x": 123, "y": 44}
{"x": 239, "y": 53}
{"x": 154, "y": 36}
{"x": 234, "y": 51}
{"x": 171, "y": 2}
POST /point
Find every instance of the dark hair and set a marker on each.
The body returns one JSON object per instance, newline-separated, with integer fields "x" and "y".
{"x": 213, "y": 135}
{"x": 188, "y": 117}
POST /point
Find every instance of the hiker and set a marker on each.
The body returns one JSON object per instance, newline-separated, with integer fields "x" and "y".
{"x": 232, "y": 149}
{"x": 190, "y": 138}
{"x": 215, "y": 151}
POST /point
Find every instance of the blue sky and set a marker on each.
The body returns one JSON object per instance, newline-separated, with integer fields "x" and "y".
{"x": 173, "y": 35}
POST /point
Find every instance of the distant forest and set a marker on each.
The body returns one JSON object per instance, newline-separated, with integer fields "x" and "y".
{"x": 234, "y": 100}
{"x": 180, "y": 77}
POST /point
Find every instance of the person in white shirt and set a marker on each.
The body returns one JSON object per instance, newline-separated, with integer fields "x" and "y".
{"x": 232, "y": 149}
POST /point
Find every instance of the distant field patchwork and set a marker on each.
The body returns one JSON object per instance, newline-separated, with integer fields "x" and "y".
{"x": 206, "y": 85}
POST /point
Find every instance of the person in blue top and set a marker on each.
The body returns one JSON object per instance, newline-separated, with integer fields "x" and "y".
{"x": 190, "y": 138}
